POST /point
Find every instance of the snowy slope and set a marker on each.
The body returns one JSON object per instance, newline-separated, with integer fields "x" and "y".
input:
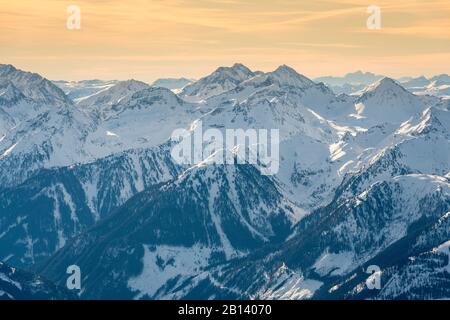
{"x": 52, "y": 138}
{"x": 174, "y": 84}
{"x": 374, "y": 192}
{"x": 357, "y": 176}
{"x": 285, "y": 100}
{"x": 24, "y": 95}
{"x": 386, "y": 100}
{"x": 80, "y": 90}
{"x": 145, "y": 118}
{"x": 42, "y": 214}
{"x": 161, "y": 236}
{"x": 331, "y": 244}
{"x": 33, "y": 86}
{"x": 126, "y": 116}
{"x": 276, "y": 100}
{"x": 110, "y": 95}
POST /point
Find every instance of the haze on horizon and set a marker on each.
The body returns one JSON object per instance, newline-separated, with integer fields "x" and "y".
{"x": 146, "y": 40}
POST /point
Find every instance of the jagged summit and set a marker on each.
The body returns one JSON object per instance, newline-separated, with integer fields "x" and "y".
{"x": 286, "y": 75}
{"x": 386, "y": 91}
{"x": 432, "y": 120}
{"x": 124, "y": 88}
{"x": 285, "y": 68}
{"x": 225, "y": 79}
{"x": 387, "y": 101}
{"x": 112, "y": 95}
{"x": 237, "y": 72}
{"x": 356, "y": 178}
{"x": 282, "y": 77}
{"x": 239, "y": 65}
{"x": 7, "y": 68}
{"x": 386, "y": 81}
{"x": 221, "y": 80}
{"x": 130, "y": 84}
{"x": 384, "y": 85}
{"x": 149, "y": 96}
{"x": 238, "y": 68}
{"x": 33, "y": 86}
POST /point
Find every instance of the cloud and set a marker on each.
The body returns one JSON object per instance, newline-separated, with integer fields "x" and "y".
{"x": 170, "y": 33}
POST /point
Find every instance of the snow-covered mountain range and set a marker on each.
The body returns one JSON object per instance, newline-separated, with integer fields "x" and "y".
{"x": 352, "y": 83}
{"x": 174, "y": 84}
{"x": 87, "y": 178}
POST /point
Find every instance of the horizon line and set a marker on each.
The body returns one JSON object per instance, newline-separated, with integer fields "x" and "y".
{"x": 193, "y": 79}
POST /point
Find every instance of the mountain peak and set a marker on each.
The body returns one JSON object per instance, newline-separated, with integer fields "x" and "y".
{"x": 240, "y": 66}
{"x": 218, "y": 82}
{"x": 286, "y": 75}
{"x": 113, "y": 95}
{"x": 387, "y": 82}
{"x": 238, "y": 70}
{"x": 33, "y": 86}
{"x": 431, "y": 120}
{"x": 6, "y": 68}
{"x": 285, "y": 69}
{"x": 386, "y": 100}
{"x": 383, "y": 85}
{"x": 150, "y": 95}
{"x": 130, "y": 84}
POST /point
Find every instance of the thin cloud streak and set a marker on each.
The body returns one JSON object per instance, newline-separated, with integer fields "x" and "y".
{"x": 163, "y": 35}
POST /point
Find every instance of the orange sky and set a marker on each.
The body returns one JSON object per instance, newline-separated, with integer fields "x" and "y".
{"x": 147, "y": 39}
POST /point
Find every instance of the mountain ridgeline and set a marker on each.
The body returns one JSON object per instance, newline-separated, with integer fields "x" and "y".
{"x": 88, "y": 179}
